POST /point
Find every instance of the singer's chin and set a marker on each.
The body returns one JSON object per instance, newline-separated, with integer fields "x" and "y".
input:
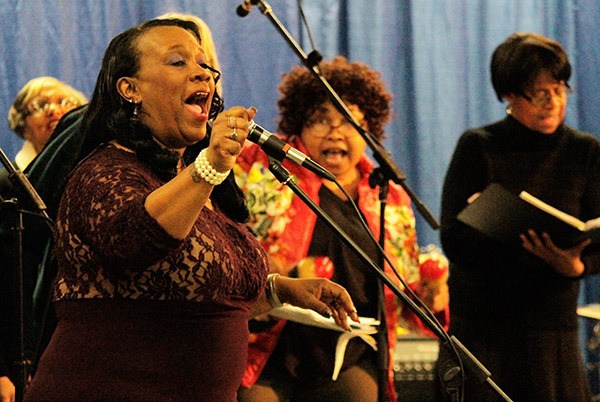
{"x": 195, "y": 135}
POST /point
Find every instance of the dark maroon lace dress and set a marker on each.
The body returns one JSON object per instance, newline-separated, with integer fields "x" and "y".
{"x": 144, "y": 316}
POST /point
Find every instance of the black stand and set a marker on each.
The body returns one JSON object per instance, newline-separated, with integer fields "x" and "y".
{"x": 376, "y": 179}
{"x": 20, "y": 181}
{"x": 388, "y": 171}
{"x": 451, "y": 342}
{"x": 22, "y": 364}
{"x": 388, "y": 168}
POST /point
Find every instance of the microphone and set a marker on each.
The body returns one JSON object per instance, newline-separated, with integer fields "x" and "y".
{"x": 276, "y": 148}
{"x": 244, "y": 8}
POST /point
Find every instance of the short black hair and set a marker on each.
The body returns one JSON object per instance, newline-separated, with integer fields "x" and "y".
{"x": 518, "y": 60}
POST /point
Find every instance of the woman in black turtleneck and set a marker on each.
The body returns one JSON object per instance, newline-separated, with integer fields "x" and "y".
{"x": 515, "y": 308}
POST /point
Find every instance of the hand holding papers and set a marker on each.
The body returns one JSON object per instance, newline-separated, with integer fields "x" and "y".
{"x": 364, "y": 330}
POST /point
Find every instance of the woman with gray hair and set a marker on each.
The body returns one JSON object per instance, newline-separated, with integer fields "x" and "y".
{"x": 35, "y": 112}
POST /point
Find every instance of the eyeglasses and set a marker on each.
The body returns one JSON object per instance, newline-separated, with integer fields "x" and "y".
{"x": 323, "y": 125}
{"x": 46, "y": 106}
{"x": 217, "y": 73}
{"x": 542, "y": 97}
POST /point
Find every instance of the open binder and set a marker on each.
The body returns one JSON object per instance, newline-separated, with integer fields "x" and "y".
{"x": 503, "y": 215}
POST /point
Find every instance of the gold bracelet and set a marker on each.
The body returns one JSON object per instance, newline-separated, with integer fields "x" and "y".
{"x": 271, "y": 292}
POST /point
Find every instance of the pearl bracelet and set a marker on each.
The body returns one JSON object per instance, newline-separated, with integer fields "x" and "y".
{"x": 203, "y": 169}
{"x": 271, "y": 292}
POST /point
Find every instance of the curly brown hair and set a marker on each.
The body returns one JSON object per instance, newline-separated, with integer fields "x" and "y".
{"x": 301, "y": 94}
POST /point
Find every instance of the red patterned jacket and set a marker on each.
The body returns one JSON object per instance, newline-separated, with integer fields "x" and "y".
{"x": 284, "y": 225}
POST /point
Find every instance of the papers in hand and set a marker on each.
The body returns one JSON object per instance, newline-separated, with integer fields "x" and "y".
{"x": 590, "y": 311}
{"x": 364, "y": 330}
{"x": 310, "y": 317}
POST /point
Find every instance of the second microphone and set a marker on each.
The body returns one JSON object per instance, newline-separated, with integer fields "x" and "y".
{"x": 276, "y": 148}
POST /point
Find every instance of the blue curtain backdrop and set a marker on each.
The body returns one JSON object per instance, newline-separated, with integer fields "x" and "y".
{"x": 433, "y": 54}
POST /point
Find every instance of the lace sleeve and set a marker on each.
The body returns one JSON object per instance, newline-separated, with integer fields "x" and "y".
{"x": 103, "y": 213}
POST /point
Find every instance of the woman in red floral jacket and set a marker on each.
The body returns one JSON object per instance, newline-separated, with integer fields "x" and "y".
{"x": 291, "y": 361}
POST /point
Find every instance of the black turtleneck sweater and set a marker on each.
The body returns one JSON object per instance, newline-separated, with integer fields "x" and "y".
{"x": 495, "y": 284}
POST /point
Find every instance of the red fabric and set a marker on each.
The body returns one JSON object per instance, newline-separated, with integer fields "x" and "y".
{"x": 291, "y": 246}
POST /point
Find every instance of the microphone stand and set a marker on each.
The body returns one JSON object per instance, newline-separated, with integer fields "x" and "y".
{"x": 389, "y": 171}
{"x": 19, "y": 179}
{"x": 380, "y": 154}
{"x": 480, "y": 372}
{"x": 376, "y": 179}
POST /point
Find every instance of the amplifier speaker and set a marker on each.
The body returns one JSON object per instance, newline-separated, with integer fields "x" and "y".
{"x": 414, "y": 361}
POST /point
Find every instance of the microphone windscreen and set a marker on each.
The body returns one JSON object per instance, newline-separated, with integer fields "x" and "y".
{"x": 243, "y": 10}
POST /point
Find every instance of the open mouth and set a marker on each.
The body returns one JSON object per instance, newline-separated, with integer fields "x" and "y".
{"x": 333, "y": 155}
{"x": 334, "y": 152}
{"x": 197, "y": 103}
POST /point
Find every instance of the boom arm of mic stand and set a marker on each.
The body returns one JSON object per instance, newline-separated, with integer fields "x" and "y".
{"x": 311, "y": 63}
{"x": 282, "y": 175}
{"x": 380, "y": 154}
{"x": 286, "y": 178}
{"x": 18, "y": 178}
